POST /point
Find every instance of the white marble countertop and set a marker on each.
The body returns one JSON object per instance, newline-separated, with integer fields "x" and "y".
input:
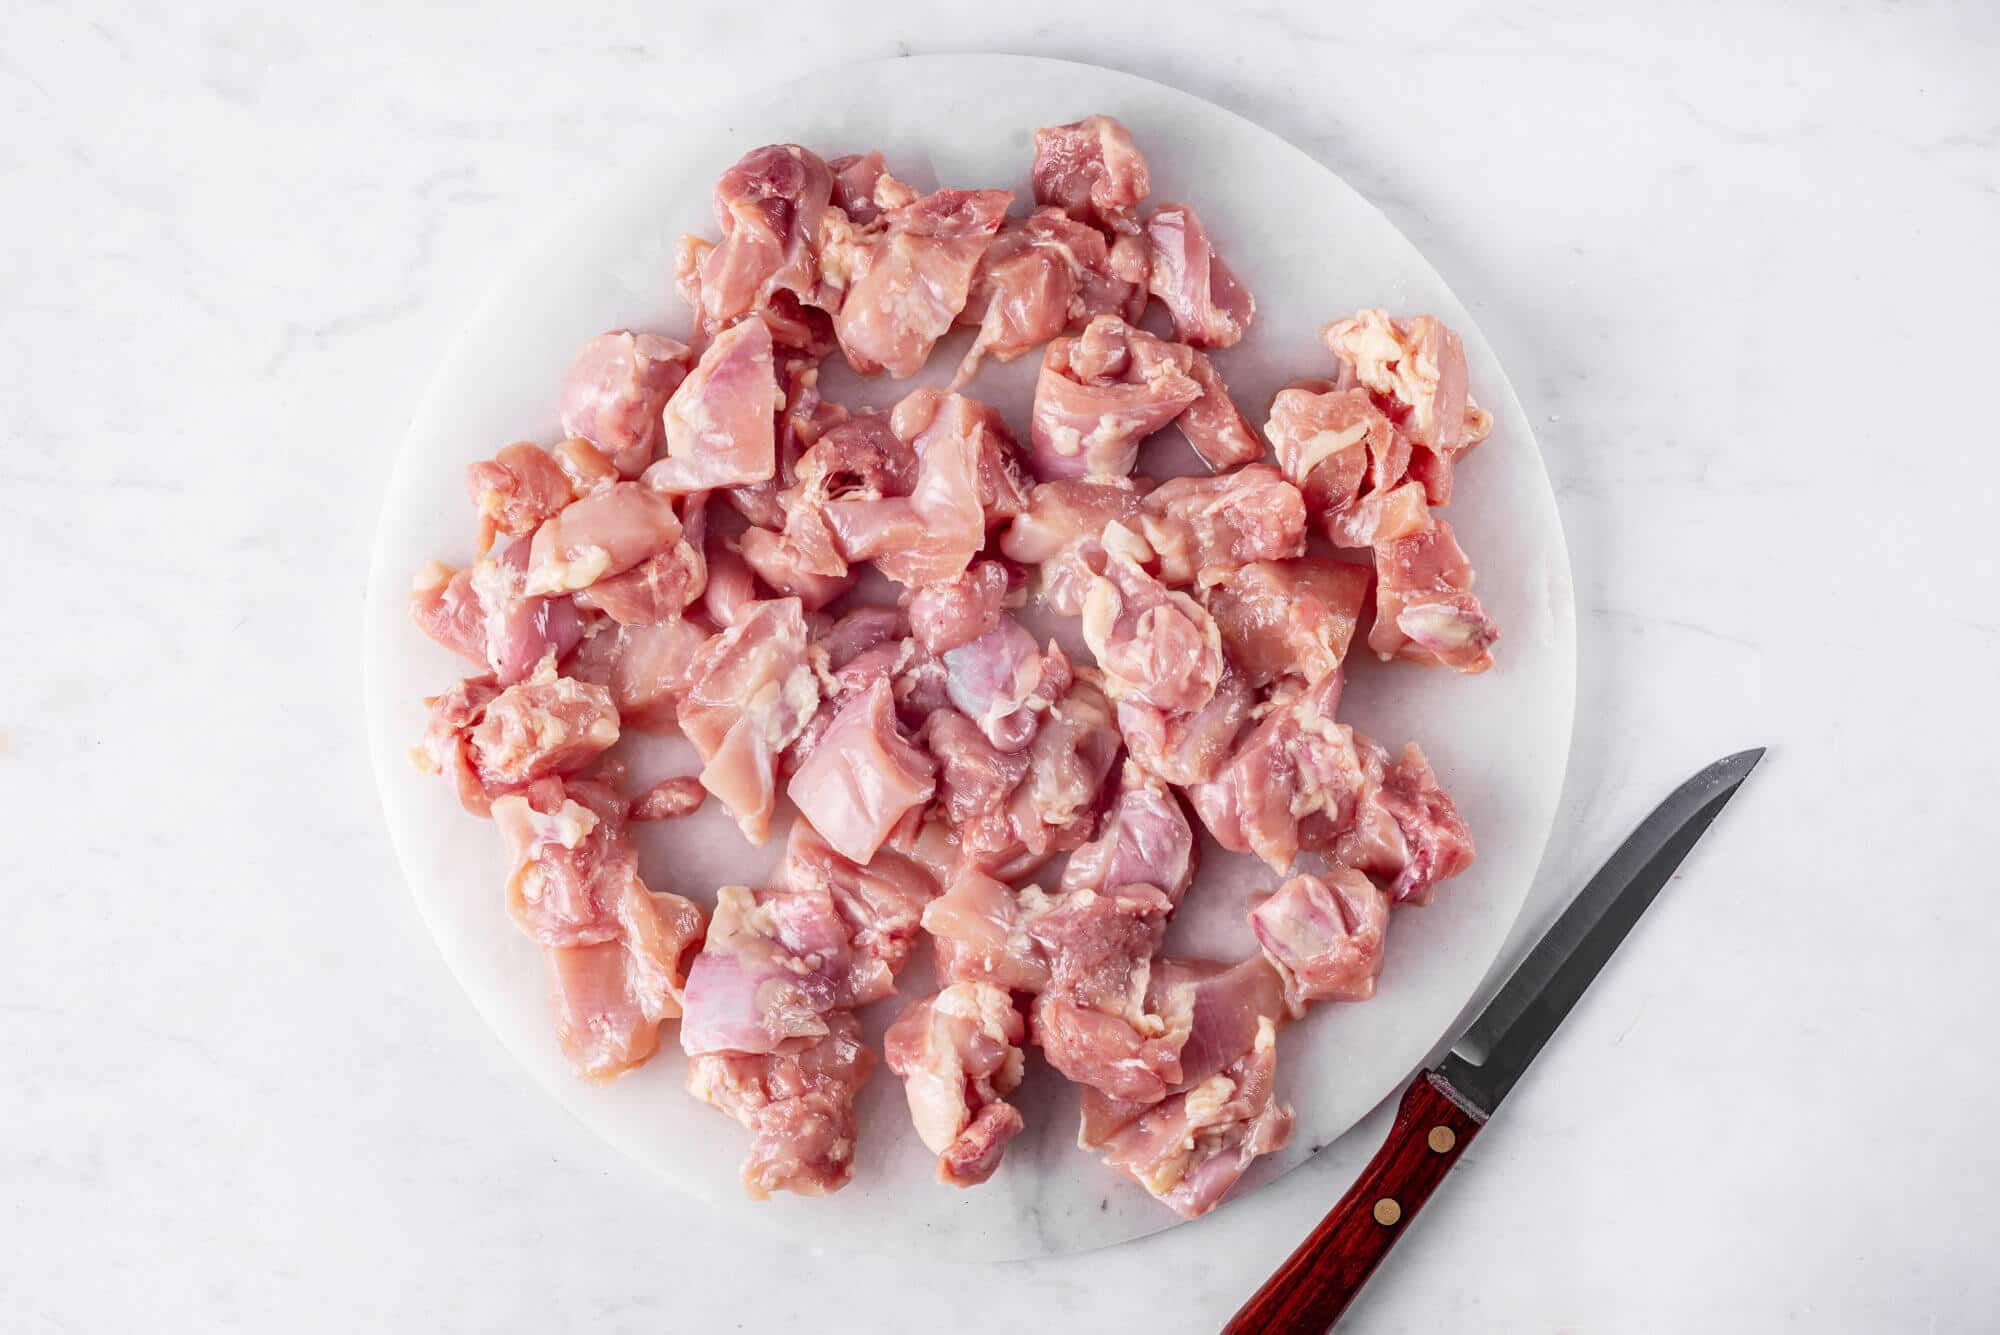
{"x": 1742, "y": 269}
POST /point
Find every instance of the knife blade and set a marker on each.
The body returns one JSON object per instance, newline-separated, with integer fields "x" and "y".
{"x": 1446, "y": 1107}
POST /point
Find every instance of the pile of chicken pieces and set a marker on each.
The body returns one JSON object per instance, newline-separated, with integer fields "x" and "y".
{"x": 683, "y": 560}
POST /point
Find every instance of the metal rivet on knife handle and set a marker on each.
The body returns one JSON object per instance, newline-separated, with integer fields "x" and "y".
{"x": 1387, "y": 1211}
{"x": 1442, "y": 1139}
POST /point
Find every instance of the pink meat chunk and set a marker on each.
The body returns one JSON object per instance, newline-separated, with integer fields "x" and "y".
{"x": 1415, "y": 370}
{"x": 932, "y": 534}
{"x": 1153, "y": 644}
{"x": 1063, "y": 531}
{"x": 1101, "y": 393}
{"x": 614, "y": 391}
{"x": 975, "y": 780}
{"x": 862, "y": 777}
{"x": 1405, "y": 829}
{"x": 775, "y": 963}
{"x": 1091, "y": 1021}
{"x": 1192, "y": 1147}
{"x": 1325, "y": 936}
{"x": 1293, "y": 780}
{"x": 1201, "y": 528}
{"x": 445, "y": 607}
{"x": 524, "y": 633}
{"x": 515, "y": 491}
{"x": 1210, "y": 305}
{"x": 543, "y": 727}
{"x": 1093, "y": 171}
{"x": 721, "y": 424}
{"x": 750, "y": 693}
{"x": 980, "y": 927}
{"x": 1424, "y": 605}
{"x": 1333, "y": 446}
{"x": 731, "y": 592}
{"x": 1004, "y": 683}
{"x": 669, "y": 799}
{"x": 602, "y": 535}
{"x": 1380, "y": 517}
{"x": 909, "y": 275}
{"x": 945, "y": 616}
{"x": 1044, "y": 274}
{"x": 1293, "y": 617}
{"x": 586, "y": 467}
{"x": 1145, "y": 840}
{"x": 797, "y": 1103}
{"x": 959, "y": 1055}
{"x": 1185, "y": 748}
{"x": 769, "y": 206}
{"x": 646, "y": 668}
{"x": 863, "y": 187}
{"x": 881, "y": 901}
{"x": 572, "y": 859}
{"x": 1214, "y": 426}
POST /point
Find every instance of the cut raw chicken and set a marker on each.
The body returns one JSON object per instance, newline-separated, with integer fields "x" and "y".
{"x": 515, "y": 491}
{"x": 1424, "y": 606}
{"x": 862, "y": 777}
{"x": 1188, "y": 748}
{"x": 445, "y": 607}
{"x": 1092, "y": 171}
{"x": 614, "y": 392}
{"x": 721, "y": 424}
{"x": 1063, "y": 534}
{"x": 798, "y": 1104}
{"x": 981, "y": 929}
{"x": 1215, "y": 428}
{"x": 645, "y": 667}
{"x": 863, "y": 188}
{"x": 1154, "y": 645}
{"x": 1405, "y": 828}
{"x": 1292, "y": 781}
{"x": 1210, "y": 306}
{"x": 1415, "y": 369}
{"x": 1145, "y": 840}
{"x": 1102, "y": 393}
{"x": 524, "y": 633}
{"x": 750, "y": 693}
{"x": 1091, "y": 1021}
{"x": 1044, "y": 274}
{"x": 493, "y": 741}
{"x": 882, "y": 902}
{"x": 669, "y": 799}
{"x": 1288, "y": 617}
{"x": 1004, "y": 683}
{"x": 931, "y": 535}
{"x": 959, "y": 1054}
{"x": 1333, "y": 445}
{"x": 602, "y": 535}
{"x": 775, "y": 963}
{"x": 1201, "y": 528}
{"x": 908, "y": 276}
{"x": 945, "y": 616}
{"x": 1324, "y": 936}
{"x": 1380, "y": 516}
{"x": 768, "y": 206}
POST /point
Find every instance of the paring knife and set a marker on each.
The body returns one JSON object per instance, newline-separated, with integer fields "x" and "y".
{"x": 1446, "y": 1107}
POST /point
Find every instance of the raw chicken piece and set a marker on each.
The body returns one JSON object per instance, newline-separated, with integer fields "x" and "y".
{"x": 786, "y": 564}
{"x": 1380, "y": 517}
{"x": 1069, "y": 760}
{"x": 975, "y": 778}
{"x": 1063, "y": 533}
{"x": 613, "y": 393}
{"x": 1424, "y": 606}
{"x": 862, "y": 458}
{"x": 444, "y": 606}
{"x": 721, "y": 424}
{"x": 1190, "y": 1149}
{"x": 658, "y": 589}
{"x": 731, "y": 591}
{"x": 515, "y": 491}
{"x": 1103, "y": 392}
{"x": 768, "y": 206}
{"x": 1405, "y": 827}
{"x": 1416, "y": 371}
{"x": 572, "y": 860}
{"x": 862, "y": 777}
{"x": 1091, "y": 1021}
{"x": 775, "y": 963}
{"x": 1210, "y": 306}
{"x": 1334, "y": 445}
{"x": 1292, "y": 617}
{"x": 945, "y": 616}
{"x": 1004, "y": 683}
{"x": 446, "y": 747}
{"x": 1201, "y": 528}
{"x": 927, "y": 416}
{"x": 1154, "y": 645}
{"x": 959, "y": 1054}
{"x": 602, "y": 535}
{"x": 545, "y": 726}
{"x": 1293, "y": 780}
{"x": 1144, "y": 840}
{"x": 1324, "y": 936}
{"x": 750, "y": 693}
{"x": 586, "y": 467}
{"x": 1092, "y": 171}
{"x": 798, "y": 1104}
{"x": 524, "y": 633}
{"x": 981, "y": 929}
{"x": 645, "y": 667}
{"x": 863, "y": 188}
{"x": 1188, "y": 748}
{"x": 669, "y": 799}
{"x": 1043, "y": 274}
{"x": 857, "y": 632}
{"x": 803, "y": 417}
{"x": 1215, "y": 428}
{"x": 932, "y": 534}
{"x": 882, "y": 902}
{"x": 1225, "y": 1007}
{"x": 908, "y": 276}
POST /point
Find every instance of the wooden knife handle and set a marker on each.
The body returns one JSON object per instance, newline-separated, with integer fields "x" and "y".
{"x": 1313, "y": 1287}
